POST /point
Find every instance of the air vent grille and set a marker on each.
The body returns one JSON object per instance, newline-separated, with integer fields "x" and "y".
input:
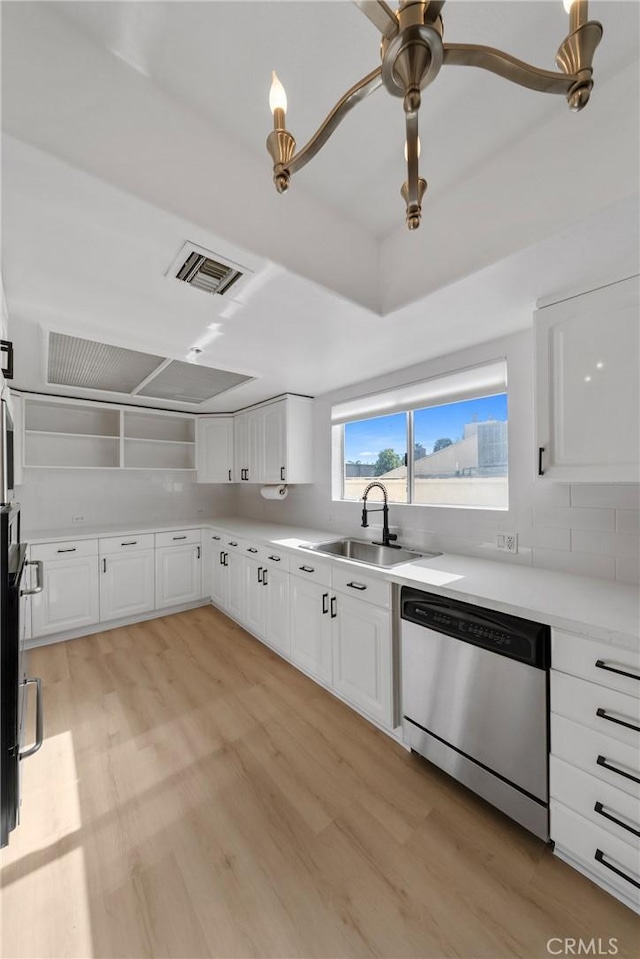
{"x": 189, "y": 383}
{"x": 207, "y": 274}
{"x": 97, "y": 366}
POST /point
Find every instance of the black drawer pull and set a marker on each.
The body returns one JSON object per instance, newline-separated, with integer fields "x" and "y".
{"x": 231, "y": 543}
{"x": 276, "y": 559}
{"x": 619, "y": 722}
{"x": 251, "y": 549}
{"x": 359, "y": 586}
{"x": 215, "y": 537}
{"x": 71, "y": 550}
{"x": 325, "y": 603}
{"x": 6, "y": 346}
{"x": 599, "y": 808}
{"x": 222, "y": 557}
{"x": 132, "y": 542}
{"x": 226, "y": 559}
{"x": 264, "y": 577}
{"x": 282, "y": 473}
{"x": 540, "y": 469}
{"x": 600, "y": 663}
{"x": 599, "y": 857}
{"x": 601, "y": 761}
{"x": 260, "y": 570}
{"x": 307, "y": 569}
{"x": 179, "y": 537}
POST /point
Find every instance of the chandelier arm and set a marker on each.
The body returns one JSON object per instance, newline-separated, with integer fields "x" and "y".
{"x": 380, "y": 14}
{"x": 508, "y": 67}
{"x": 351, "y": 98}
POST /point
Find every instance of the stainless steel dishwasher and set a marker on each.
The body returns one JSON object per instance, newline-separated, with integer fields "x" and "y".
{"x": 475, "y": 700}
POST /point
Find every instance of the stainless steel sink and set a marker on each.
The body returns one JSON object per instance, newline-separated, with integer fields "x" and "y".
{"x": 364, "y": 552}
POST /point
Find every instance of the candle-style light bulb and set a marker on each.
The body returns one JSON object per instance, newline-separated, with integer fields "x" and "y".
{"x": 406, "y": 149}
{"x": 277, "y": 95}
{"x": 567, "y": 4}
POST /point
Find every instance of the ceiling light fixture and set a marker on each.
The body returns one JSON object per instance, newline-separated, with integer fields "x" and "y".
{"x": 412, "y": 51}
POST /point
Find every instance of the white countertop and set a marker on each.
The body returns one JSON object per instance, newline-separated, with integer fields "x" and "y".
{"x": 594, "y": 608}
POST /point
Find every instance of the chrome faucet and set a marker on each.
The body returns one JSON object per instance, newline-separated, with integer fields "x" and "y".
{"x": 386, "y": 535}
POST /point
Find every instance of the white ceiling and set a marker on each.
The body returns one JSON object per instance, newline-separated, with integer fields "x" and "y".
{"x": 132, "y": 127}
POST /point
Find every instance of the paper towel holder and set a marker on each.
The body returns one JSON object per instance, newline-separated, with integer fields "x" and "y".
{"x": 277, "y": 492}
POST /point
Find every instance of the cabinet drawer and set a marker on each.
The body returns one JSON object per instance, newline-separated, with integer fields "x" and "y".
{"x": 605, "y": 710}
{"x": 126, "y": 544}
{"x": 353, "y": 583}
{"x": 71, "y": 549}
{"x": 253, "y": 550}
{"x": 275, "y": 557}
{"x": 598, "y": 662}
{"x": 599, "y": 851}
{"x": 310, "y": 569}
{"x": 178, "y": 537}
{"x": 607, "y": 807}
{"x": 606, "y": 758}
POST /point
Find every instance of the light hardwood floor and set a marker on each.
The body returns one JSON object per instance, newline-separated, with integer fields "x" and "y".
{"x": 197, "y": 796}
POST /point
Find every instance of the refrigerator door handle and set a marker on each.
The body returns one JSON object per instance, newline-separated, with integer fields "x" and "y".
{"x": 37, "y": 682}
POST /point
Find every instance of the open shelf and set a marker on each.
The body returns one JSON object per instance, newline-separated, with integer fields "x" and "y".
{"x": 143, "y": 454}
{"x": 62, "y": 418}
{"x": 155, "y": 426}
{"x": 71, "y": 450}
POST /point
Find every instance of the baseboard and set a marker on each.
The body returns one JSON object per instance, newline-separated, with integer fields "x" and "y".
{"x": 582, "y": 867}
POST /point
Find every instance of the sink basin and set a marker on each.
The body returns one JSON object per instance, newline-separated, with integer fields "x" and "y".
{"x": 363, "y": 551}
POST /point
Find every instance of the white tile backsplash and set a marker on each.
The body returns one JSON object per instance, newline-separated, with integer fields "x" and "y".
{"x": 618, "y": 496}
{"x": 584, "y": 564}
{"x": 608, "y": 544}
{"x": 628, "y": 520}
{"x": 569, "y": 518}
{"x": 627, "y": 570}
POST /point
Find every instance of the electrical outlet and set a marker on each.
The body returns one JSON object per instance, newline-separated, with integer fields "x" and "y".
{"x": 77, "y": 519}
{"x": 508, "y": 542}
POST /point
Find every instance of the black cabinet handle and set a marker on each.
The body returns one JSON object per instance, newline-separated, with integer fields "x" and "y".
{"x": 132, "y": 542}
{"x": 601, "y": 761}
{"x": 226, "y": 559}
{"x": 599, "y": 808}
{"x": 7, "y": 347}
{"x": 600, "y": 663}
{"x": 104, "y": 566}
{"x": 601, "y": 713}
{"x": 334, "y": 609}
{"x": 599, "y": 857}
{"x": 264, "y": 577}
{"x": 199, "y": 553}
{"x": 179, "y": 537}
{"x": 222, "y": 557}
{"x": 232, "y": 543}
{"x": 541, "y": 450}
{"x": 260, "y": 570}
{"x": 71, "y": 550}
{"x": 359, "y": 586}
{"x": 229, "y": 475}
{"x": 276, "y": 559}
{"x": 307, "y": 569}
{"x": 251, "y": 549}
{"x": 215, "y": 537}
{"x": 325, "y": 603}
{"x": 282, "y": 473}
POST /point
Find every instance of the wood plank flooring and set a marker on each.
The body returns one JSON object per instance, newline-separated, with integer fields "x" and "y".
{"x": 197, "y": 796}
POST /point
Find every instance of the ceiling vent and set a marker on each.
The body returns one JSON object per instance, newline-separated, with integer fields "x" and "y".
{"x": 206, "y": 271}
{"x": 88, "y": 365}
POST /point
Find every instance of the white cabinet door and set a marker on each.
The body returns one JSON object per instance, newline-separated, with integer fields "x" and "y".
{"x": 276, "y": 582}
{"x": 310, "y": 627}
{"x": 235, "y": 585}
{"x": 127, "y": 584}
{"x": 587, "y": 386}
{"x": 219, "y": 582}
{"x": 178, "y": 575}
{"x": 273, "y": 424}
{"x": 249, "y": 445}
{"x": 70, "y": 596}
{"x": 362, "y": 657}
{"x": 215, "y": 449}
{"x": 254, "y": 597}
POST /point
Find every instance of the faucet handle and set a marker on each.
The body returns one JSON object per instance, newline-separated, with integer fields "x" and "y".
{"x": 392, "y": 536}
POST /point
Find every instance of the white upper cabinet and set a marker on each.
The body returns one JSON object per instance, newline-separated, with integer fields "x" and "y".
{"x": 587, "y": 386}
{"x": 215, "y": 449}
{"x": 274, "y": 442}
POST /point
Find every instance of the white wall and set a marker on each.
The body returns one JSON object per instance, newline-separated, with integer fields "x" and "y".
{"x": 590, "y": 530}
{"x": 51, "y": 498}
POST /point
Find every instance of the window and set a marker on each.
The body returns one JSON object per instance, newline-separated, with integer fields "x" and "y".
{"x": 448, "y": 447}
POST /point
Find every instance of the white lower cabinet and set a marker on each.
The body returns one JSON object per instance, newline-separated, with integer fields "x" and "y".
{"x": 70, "y": 597}
{"x": 311, "y": 627}
{"x": 255, "y": 605}
{"x": 127, "y": 584}
{"x": 595, "y": 764}
{"x": 277, "y": 633}
{"x": 362, "y": 657}
{"x": 178, "y": 575}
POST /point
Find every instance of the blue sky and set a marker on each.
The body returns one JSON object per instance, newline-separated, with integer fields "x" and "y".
{"x": 364, "y": 440}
